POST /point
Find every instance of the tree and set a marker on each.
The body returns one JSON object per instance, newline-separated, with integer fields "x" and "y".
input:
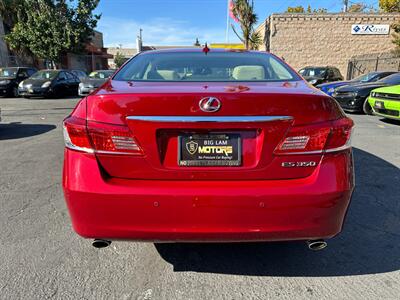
{"x": 119, "y": 59}
{"x": 9, "y": 10}
{"x": 357, "y": 7}
{"x": 296, "y": 9}
{"x": 392, "y": 6}
{"x": 389, "y": 5}
{"x": 50, "y": 28}
{"x": 243, "y": 10}
{"x": 300, "y": 9}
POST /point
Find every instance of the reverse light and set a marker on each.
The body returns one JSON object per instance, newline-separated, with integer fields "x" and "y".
{"x": 113, "y": 139}
{"x": 325, "y": 137}
{"x": 93, "y": 137}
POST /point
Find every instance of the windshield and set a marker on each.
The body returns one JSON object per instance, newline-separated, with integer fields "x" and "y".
{"x": 101, "y": 74}
{"x": 391, "y": 80}
{"x": 313, "y": 72}
{"x": 78, "y": 73}
{"x": 366, "y": 77}
{"x": 211, "y": 67}
{"x": 8, "y": 72}
{"x": 45, "y": 74}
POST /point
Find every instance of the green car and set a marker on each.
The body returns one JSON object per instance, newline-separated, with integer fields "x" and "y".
{"x": 385, "y": 102}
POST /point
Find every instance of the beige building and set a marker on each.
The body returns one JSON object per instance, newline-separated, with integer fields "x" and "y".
{"x": 327, "y": 39}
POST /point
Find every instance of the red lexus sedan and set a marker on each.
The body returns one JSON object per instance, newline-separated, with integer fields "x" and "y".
{"x": 205, "y": 146}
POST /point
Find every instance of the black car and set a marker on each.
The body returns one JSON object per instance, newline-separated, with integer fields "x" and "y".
{"x": 318, "y": 75}
{"x": 11, "y": 77}
{"x": 353, "y": 98}
{"x": 95, "y": 80}
{"x": 49, "y": 83}
{"x": 329, "y": 87}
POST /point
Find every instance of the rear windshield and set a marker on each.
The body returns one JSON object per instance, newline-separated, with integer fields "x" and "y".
{"x": 366, "y": 77}
{"x": 313, "y": 72}
{"x": 198, "y": 66}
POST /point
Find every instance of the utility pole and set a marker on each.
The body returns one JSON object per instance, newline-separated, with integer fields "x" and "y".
{"x": 345, "y": 5}
{"x": 139, "y": 43}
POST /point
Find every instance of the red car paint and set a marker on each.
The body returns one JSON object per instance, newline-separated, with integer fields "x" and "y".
{"x": 142, "y": 193}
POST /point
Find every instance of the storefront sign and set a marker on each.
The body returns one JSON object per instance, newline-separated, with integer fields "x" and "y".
{"x": 370, "y": 29}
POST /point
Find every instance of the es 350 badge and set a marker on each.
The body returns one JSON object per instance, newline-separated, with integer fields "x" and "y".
{"x": 292, "y": 164}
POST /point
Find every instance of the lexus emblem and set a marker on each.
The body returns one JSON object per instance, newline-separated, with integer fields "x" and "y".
{"x": 210, "y": 104}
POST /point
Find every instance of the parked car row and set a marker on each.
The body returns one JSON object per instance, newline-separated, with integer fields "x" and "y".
{"x": 373, "y": 93}
{"x": 29, "y": 82}
{"x": 10, "y": 79}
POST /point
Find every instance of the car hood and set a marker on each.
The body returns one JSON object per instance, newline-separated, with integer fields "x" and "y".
{"x": 360, "y": 87}
{"x": 35, "y": 82}
{"x": 96, "y": 82}
{"x": 393, "y": 89}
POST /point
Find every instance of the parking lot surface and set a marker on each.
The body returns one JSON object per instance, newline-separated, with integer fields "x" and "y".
{"x": 41, "y": 257}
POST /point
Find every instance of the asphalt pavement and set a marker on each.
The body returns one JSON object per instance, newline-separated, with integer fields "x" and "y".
{"x": 42, "y": 258}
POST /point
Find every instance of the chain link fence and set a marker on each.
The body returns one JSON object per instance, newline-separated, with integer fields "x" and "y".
{"x": 359, "y": 65}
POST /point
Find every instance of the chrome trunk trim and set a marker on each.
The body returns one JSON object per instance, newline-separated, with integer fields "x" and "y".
{"x": 212, "y": 119}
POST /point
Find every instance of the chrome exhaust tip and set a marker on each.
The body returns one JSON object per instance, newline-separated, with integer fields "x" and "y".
{"x": 97, "y": 243}
{"x": 316, "y": 245}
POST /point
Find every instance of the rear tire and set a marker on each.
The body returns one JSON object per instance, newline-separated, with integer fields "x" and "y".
{"x": 367, "y": 109}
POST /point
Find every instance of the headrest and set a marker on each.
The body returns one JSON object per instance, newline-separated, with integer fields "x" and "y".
{"x": 248, "y": 73}
{"x": 168, "y": 74}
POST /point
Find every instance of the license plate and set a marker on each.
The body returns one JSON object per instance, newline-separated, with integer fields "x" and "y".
{"x": 210, "y": 150}
{"x": 30, "y": 90}
{"x": 379, "y": 104}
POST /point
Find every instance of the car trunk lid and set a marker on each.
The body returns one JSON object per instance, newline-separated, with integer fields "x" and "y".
{"x": 162, "y": 116}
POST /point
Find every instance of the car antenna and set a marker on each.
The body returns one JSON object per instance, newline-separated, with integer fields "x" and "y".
{"x": 206, "y": 49}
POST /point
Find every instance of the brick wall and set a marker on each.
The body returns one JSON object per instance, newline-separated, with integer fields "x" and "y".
{"x": 323, "y": 39}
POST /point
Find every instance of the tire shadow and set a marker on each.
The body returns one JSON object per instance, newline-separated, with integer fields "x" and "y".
{"x": 390, "y": 121}
{"x": 19, "y": 130}
{"x": 369, "y": 243}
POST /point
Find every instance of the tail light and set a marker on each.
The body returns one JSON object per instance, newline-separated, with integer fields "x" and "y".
{"x": 325, "y": 137}
{"x": 96, "y": 137}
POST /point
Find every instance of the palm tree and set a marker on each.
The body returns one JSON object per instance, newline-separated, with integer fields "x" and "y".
{"x": 243, "y": 10}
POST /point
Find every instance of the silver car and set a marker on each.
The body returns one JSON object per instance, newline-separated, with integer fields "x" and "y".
{"x": 93, "y": 81}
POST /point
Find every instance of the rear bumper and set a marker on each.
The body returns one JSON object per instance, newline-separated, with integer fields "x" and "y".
{"x": 256, "y": 210}
{"x": 84, "y": 91}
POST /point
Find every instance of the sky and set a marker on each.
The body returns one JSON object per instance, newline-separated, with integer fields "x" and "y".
{"x": 180, "y": 22}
